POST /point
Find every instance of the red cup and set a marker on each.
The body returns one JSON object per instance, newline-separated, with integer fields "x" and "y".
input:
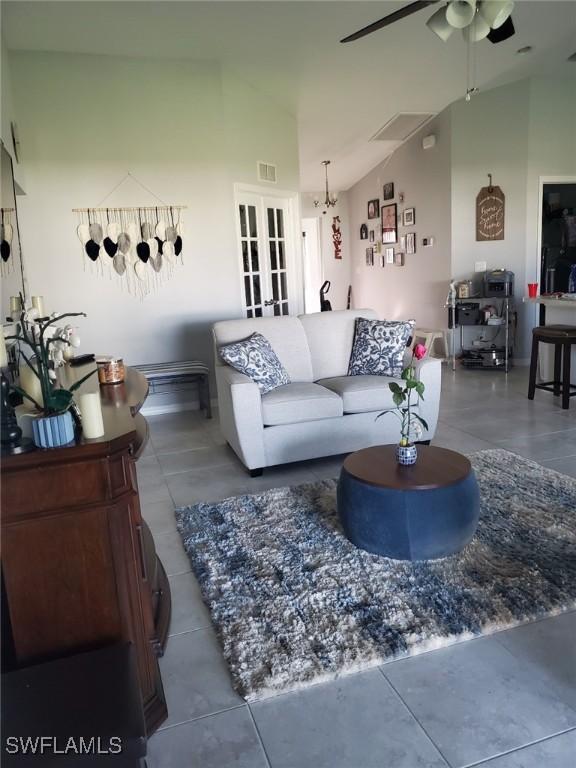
{"x": 532, "y": 290}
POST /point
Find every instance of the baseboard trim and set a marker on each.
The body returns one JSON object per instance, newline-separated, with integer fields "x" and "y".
{"x": 159, "y": 410}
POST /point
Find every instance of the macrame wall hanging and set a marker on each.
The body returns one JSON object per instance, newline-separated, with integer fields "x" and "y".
{"x": 6, "y": 236}
{"x": 139, "y": 247}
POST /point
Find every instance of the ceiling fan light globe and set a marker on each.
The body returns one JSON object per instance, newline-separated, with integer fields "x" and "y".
{"x": 460, "y": 13}
{"x": 439, "y": 24}
{"x": 495, "y": 12}
{"x": 476, "y": 31}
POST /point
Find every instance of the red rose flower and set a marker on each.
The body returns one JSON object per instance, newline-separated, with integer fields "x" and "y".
{"x": 419, "y": 351}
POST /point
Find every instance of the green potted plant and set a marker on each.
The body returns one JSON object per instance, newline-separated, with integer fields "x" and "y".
{"x": 410, "y": 423}
{"x": 54, "y": 425}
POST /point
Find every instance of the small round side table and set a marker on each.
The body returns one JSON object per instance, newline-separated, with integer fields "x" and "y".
{"x": 420, "y": 512}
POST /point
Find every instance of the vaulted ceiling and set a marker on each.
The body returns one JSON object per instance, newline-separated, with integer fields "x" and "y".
{"x": 341, "y": 94}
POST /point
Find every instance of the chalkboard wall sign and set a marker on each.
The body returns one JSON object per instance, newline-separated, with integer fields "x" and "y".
{"x": 490, "y": 204}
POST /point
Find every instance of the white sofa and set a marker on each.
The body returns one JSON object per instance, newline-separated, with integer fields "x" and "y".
{"x": 323, "y": 411}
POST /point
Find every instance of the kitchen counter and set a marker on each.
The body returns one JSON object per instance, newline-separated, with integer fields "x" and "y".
{"x": 557, "y": 302}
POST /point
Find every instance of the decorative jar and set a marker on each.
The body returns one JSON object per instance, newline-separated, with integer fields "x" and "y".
{"x": 406, "y": 454}
{"x": 111, "y": 370}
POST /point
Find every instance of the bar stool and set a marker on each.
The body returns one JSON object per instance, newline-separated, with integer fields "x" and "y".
{"x": 562, "y": 336}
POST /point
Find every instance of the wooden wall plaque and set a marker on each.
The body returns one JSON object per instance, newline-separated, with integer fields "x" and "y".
{"x": 490, "y": 214}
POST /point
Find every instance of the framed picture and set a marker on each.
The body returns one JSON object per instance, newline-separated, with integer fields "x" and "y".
{"x": 388, "y": 191}
{"x": 403, "y": 243}
{"x": 409, "y": 217}
{"x": 389, "y": 255}
{"x": 369, "y": 257}
{"x": 399, "y": 259}
{"x": 371, "y": 238}
{"x": 364, "y": 232}
{"x": 373, "y": 209}
{"x": 389, "y": 221}
{"x": 411, "y": 242}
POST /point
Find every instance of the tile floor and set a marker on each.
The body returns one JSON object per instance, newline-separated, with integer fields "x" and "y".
{"x": 505, "y": 701}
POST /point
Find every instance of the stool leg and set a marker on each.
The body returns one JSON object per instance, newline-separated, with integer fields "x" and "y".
{"x": 533, "y": 370}
{"x": 557, "y": 368}
{"x": 566, "y": 376}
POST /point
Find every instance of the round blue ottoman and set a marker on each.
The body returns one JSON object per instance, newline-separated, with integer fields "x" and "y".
{"x": 420, "y": 512}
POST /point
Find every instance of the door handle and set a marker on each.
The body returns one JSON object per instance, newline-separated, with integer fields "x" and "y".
{"x": 271, "y": 302}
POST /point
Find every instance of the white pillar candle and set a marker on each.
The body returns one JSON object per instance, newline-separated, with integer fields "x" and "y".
{"x": 30, "y": 383}
{"x": 15, "y": 307}
{"x": 3, "y": 351}
{"x": 91, "y": 413}
{"x": 38, "y": 303}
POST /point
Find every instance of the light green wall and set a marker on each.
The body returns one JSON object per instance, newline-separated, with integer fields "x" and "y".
{"x": 189, "y": 133}
{"x": 418, "y": 289}
{"x": 517, "y": 132}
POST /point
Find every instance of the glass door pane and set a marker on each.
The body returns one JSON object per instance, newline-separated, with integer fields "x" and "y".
{"x": 275, "y": 218}
{"x": 251, "y": 267}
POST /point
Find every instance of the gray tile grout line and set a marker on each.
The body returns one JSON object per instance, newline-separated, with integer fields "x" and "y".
{"x": 519, "y": 437}
{"x": 416, "y": 720}
{"x": 189, "y": 631}
{"x": 322, "y": 477}
{"x": 525, "y": 662}
{"x": 501, "y": 445}
{"x": 260, "y": 740}
{"x": 178, "y": 573}
{"x": 488, "y": 760}
{"x": 171, "y": 726}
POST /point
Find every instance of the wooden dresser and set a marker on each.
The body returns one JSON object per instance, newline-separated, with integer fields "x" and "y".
{"x": 79, "y": 569}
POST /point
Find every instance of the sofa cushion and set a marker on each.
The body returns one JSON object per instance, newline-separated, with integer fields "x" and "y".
{"x": 330, "y": 336}
{"x": 299, "y": 401}
{"x": 285, "y": 334}
{"x": 255, "y": 357}
{"x": 379, "y": 347}
{"x": 362, "y": 393}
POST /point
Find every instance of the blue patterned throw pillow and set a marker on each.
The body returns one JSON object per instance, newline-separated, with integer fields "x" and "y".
{"x": 255, "y": 357}
{"x": 379, "y": 347}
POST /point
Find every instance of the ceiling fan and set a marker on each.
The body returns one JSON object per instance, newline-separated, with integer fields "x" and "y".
{"x": 476, "y": 18}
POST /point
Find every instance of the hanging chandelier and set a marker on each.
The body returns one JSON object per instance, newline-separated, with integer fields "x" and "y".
{"x": 328, "y": 202}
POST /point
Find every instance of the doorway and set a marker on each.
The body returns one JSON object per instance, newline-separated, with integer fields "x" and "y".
{"x": 557, "y": 235}
{"x": 269, "y": 255}
{"x": 312, "y": 264}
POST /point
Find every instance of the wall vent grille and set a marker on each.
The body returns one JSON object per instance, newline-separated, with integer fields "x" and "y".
{"x": 266, "y": 172}
{"x": 402, "y": 126}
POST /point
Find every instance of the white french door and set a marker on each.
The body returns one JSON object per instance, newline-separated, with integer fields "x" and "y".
{"x": 268, "y": 265}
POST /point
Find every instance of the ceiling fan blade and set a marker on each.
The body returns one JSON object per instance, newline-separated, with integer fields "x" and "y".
{"x": 401, "y": 13}
{"x": 503, "y": 32}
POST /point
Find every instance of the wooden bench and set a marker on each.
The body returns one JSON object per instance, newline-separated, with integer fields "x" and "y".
{"x": 179, "y": 373}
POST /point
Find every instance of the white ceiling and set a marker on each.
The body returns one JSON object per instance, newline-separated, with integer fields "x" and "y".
{"x": 341, "y": 94}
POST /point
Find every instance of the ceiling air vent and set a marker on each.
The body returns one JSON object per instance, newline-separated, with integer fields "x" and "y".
{"x": 267, "y": 172}
{"x": 402, "y": 126}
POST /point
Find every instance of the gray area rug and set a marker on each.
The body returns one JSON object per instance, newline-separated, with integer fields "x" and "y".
{"x": 295, "y": 603}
